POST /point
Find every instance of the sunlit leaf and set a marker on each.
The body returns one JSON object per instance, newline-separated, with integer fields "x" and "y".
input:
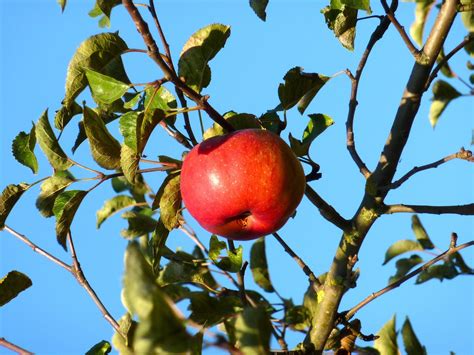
{"x": 299, "y": 88}
{"x": 386, "y": 344}
{"x": 232, "y": 262}
{"x": 105, "y": 89}
{"x": 168, "y": 199}
{"x": 159, "y": 330}
{"x": 317, "y": 124}
{"x": 50, "y": 189}
{"x": 443, "y": 94}
{"x": 127, "y": 326}
{"x": 236, "y": 120}
{"x": 200, "y": 48}
{"x": 422, "y": 10}
{"x": 400, "y": 247}
{"x": 81, "y": 136}
{"x": 23, "y": 149}
{"x": 62, "y": 3}
{"x": 259, "y": 265}
{"x": 9, "y": 197}
{"x": 259, "y": 7}
{"x": 342, "y": 21}
{"x": 11, "y": 285}
{"x": 65, "y": 114}
{"x": 446, "y": 270}
{"x": 100, "y": 53}
{"x": 467, "y": 17}
{"x": 104, "y": 147}
{"x": 104, "y": 7}
{"x": 420, "y": 233}
{"x": 410, "y": 340}
{"x": 357, "y": 4}
{"x": 112, "y": 206}
{"x": 253, "y": 331}
{"x": 50, "y": 145}
{"x": 64, "y": 209}
{"x": 101, "y": 348}
{"x": 129, "y": 161}
{"x": 404, "y": 265}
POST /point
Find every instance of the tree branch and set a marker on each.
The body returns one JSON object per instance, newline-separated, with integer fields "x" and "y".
{"x": 326, "y": 210}
{"x": 462, "y": 154}
{"x": 6, "y": 344}
{"x": 313, "y": 280}
{"x": 452, "y": 249}
{"x": 350, "y": 144}
{"x": 154, "y": 54}
{"x": 468, "y": 39}
{"x": 37, "y": 249}
{"x": 401, "y": 30}
{"x": 81, "y": 278}
{"x": 466, "y": 210}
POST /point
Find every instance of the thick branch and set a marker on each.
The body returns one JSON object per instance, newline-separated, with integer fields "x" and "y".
{"x": 155, "y": 55}
{"x": 462, "y": 154}
{"x": 466, "y": 210}
{"x": 6, "y": 344}
{"x": 326, "y": 210}
{"x": 453, "y": 249}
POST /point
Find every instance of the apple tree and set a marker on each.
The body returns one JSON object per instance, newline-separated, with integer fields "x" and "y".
{"x": 219, "y": 293}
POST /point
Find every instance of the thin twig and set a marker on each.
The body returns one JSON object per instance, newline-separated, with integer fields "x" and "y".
{"x": 37, "y": 249}
{"x": 326, "y": 210}
{"x": 391, "y": 16}
{"x": 466, "y": 210}
{"x": 452, "y": 249}
{"x": 80, "y": 277}
{"x": 462, "y": 154}
{"x": 468, "y": 39}
{"x": 350, "y": 144}
{"x": 312, "y": 277}
{"x": 6, "y": 344}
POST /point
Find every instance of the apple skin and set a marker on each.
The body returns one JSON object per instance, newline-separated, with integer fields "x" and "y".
{"x": 242, "y": 185}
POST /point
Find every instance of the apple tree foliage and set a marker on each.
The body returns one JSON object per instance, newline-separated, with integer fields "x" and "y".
{"x": 222, "y": 312}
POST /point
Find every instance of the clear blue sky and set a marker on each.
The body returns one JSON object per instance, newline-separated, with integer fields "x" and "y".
{"x": 56, "y": 316}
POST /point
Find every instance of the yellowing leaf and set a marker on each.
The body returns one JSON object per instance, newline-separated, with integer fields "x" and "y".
{"x": 9, "y": 197}
{"x": 386, "y": 344}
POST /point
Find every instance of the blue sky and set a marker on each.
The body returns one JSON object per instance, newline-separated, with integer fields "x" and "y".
{"x": 56, "y": 316}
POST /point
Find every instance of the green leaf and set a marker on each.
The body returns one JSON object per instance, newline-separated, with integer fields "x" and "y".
{"x": 65, "y": 114}
{"x": 342, "y": 21}
{"x": 170, "y": 201}
{"x": 317, "y": 124}
{"x": 62, "y": 3}
{"x": 158, "y": 243}
{"x": 112, "y": 206}
{"x": 237, "y": 120}
{"x": 129, "y": 161}
{"x": 50, "y": 145}
{"x": 467, "y": 17}
{"x": 139, "y": 223}
{"x": 130, "y": 124}
{"x": 81, "y": 136}
{"x": 445, "y": 69}
{"x": 101, "y": 348}
{"x": 259, "y": 7}
{"x": 10, "y": 196}
{"x": 11, "y": 285}
{"x": 400, "y": 247}
{"x": 200, "y": 48}
{"x": 232, "y": 262}
{"x": 64, "y": 209}
{"x": 131, "y": 102}
{"x": 105, "y": 89}
{"x": 459, "y": 262}
{"x": 253, "y": 331}
{"x": 209, "y": 311}
{"x": 259, "y": 265}
{"x": 403, "y": 266}
{"x": 386, "y": 344}
{"x": 442, "y": 271}
{"x": 100, "y": 53}
{"x": 422, "y": 10}
{"x": 160, "y": 330}
{"x": 420, "y": 233}
{"x": 358, "y": 4}
{"x": 23, "y": 149}
{"x": 300, "y": 88}
{"x": 410, "y": 340}
{"x": 443, "y": 94}
{"x": 104, "y": 7}
{"x": 297, "y": 317}
{"x": 50, "y": 189}
{"x": 104, "y": 147}
{"x": 127, "y": 326}
{"x": 159, "y": 98}
{"x": 271, "y": 121}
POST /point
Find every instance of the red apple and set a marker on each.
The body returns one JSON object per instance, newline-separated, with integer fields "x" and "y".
{"x": 242, "y": 185}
